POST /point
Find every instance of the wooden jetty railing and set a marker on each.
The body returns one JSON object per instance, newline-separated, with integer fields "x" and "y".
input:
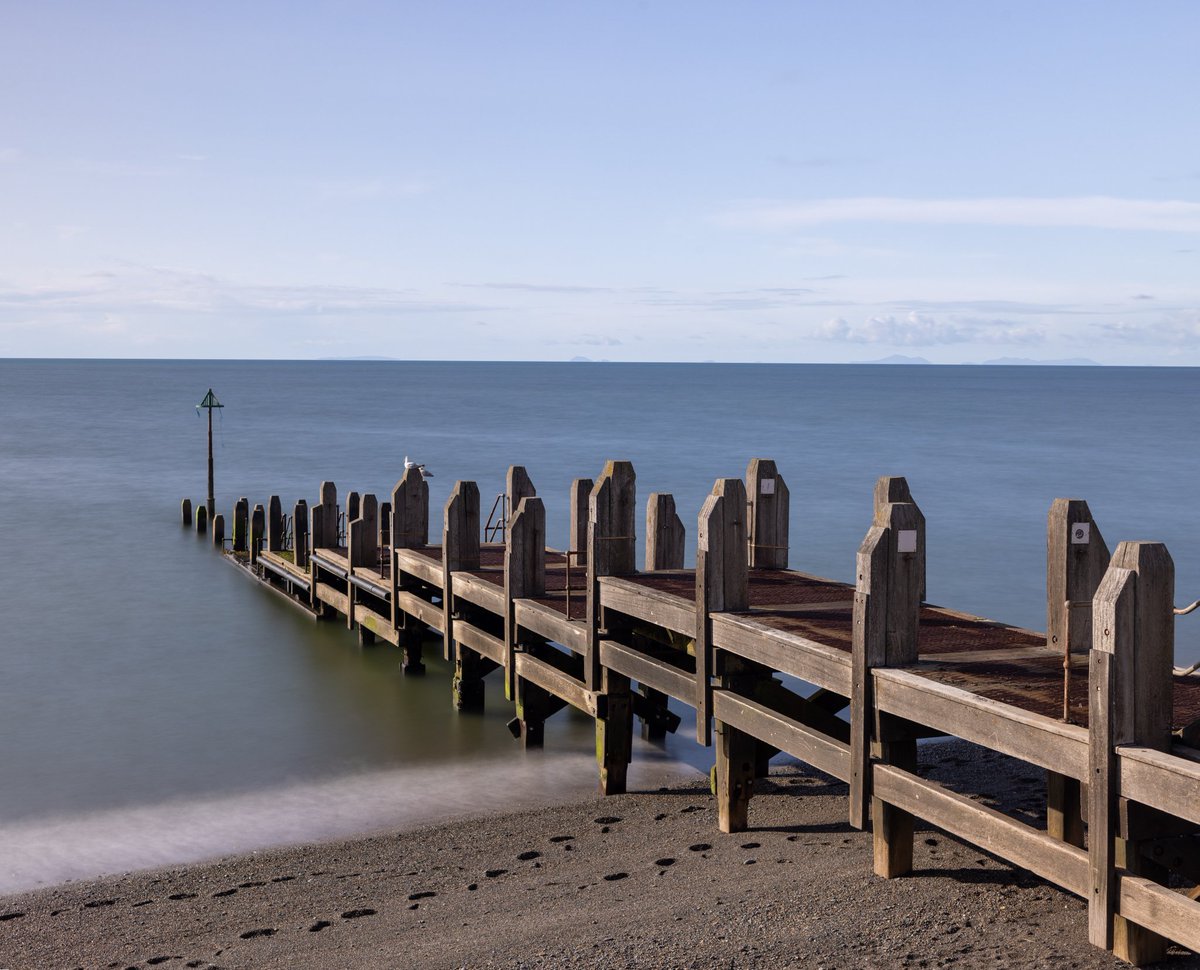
{"x": 844, "y": 677}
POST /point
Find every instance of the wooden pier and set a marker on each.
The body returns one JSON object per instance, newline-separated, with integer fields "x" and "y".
{"x": 1095, "y": 701}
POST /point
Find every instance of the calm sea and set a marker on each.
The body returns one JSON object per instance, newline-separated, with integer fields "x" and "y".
{"x": 156, "y": 707}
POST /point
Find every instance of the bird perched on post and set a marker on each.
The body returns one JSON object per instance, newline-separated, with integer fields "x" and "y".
{"x": 421, "y": 468}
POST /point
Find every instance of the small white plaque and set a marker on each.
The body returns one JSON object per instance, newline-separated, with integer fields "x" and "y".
{"x": 906, "y": 541}
{"x": 1081, "y": 533}
{"x": 767, "y": 486}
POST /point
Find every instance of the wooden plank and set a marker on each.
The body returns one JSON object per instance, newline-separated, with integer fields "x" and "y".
{"x": 425, "y": 568}
{"x": 643, "y": 603}
{"x": 558, "y": 683}
{"x": 378, "y": 624}
{"x": 1009, "y": 730}
{"x": 327, "y": 594}
{"x": 769, "y": 499}
{"x": 480, "y": 592}
{"x": 768, "y": 725}
{"x": 1156, "y": 907}
{"x": 428, "y": 613}
{"x": 1024, "y": 846}
{"x": 710, "y": 596}
{"x": 1163, "y": 781}
{"x": 788, "y": 653}
{"x": 551, "y": 624}
{"x": 480, "y": 641}
{"x": 650, "y": 671}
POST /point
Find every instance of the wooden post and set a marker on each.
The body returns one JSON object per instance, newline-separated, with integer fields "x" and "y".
{"x": 364, "y": 545}
{"x": 524, "y": 577}
{"x": 517, "y": 485}
{"x": 185, "y": 510}
{"x": 769, "y": 500}
{"x": 664, "y": 533}
{"x": 611, "y": 551}
{"x": 218, "y": 530}
{"x": 300, "y": 534}
{"x": 257, "y": 524}
{"x": 460, "y": 550}
{"x": 202, "y": 519}
{"x": 409, "y": 530}
{"x": 894, "y": 488}
{"x": 385, "y": 524}
{"x": 241, "y": 521}
{"x": 1130, "y": 683}
{"x": 868, "y": 650}
{"x": 327, "y": 537}
{"x": 274, "y": 524}
{"x": 581, "y": 490}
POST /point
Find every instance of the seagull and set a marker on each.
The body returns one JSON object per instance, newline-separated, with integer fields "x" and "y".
{"x": 421, "y": 468}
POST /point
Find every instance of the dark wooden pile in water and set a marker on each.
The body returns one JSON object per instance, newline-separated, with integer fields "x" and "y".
{"x": 1095, "y": 701}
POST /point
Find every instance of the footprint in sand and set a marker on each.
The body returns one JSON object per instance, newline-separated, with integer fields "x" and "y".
{"x": 421, "y": 896}
{"x": 224, "y": 892}
{"x": 4, "y": 917}
{"x": 614, "y": 876}
{"x": 664, "y": 862}
{"x": 283, "y": 879}
{"x": 691, "y": 808}
{"x": 94, "y": 903}
{"x": 700, "y": 847}
{"x": 660, "y": 816}
{"x": 526, "y": 856}
{"x": 607, "y": 820}
{"x": 155, "y": 961}
{"x": 253, "y": 934}
{"x": 493, "y": 873}
{"x": 750, "y": 845}
{"x": 319, "y": 925}
{"x": 250, "y": 885}
{"x": 182, "y": 896}
{"x": 144, "y": 902}
{"x": 357, "y": 913}
{"x": 562, "y": 838}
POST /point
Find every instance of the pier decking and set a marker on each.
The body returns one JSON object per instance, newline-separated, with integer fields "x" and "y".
{"x": 1095, "y": 701}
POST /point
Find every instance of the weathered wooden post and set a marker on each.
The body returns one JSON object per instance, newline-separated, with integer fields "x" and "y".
{"x": 1076, "y": 560}
{"x": 886, "y": 613}
{"x": 894, "y": 488}
{"x": 202, "y": 519}
{"x": 460, "y": 550}
{"x": 218, "y": 530}
{"x": 1130, "y": 687}
{"x": 611, "y": 551}
{"x": 524, "y": 577}
{"x": 257, "y": 525}
{"x": 362, "y": 552}
{"x": 409, "y": 529}
{"x": 723, "y": 585}
{"x": 385, "y": 525}
{"x": 274, "y": 524}
{"x": 185, "y": 510}
{"x": 241, "y": 522}
{"x": 664, "y": 533}
{"x": 325, "y": 518}
{"x": 352, "y": 500}
{"x": 769, "y": 500}
{"x": 517, "y": 485}
{"x": 577, "y": 539}
{"x": 300, "y": 534}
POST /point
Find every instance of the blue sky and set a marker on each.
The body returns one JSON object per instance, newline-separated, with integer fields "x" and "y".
{"x": 628, "y": 181}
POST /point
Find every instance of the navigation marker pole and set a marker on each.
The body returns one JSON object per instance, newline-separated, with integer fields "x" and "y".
{"x": 210, "y": 401}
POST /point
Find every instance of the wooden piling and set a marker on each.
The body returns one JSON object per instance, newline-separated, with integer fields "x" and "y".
{"x": 385, "y": 524}
{"x": 577, "y": 538}
{"x": 410, "y": 511}
{"x": 524, "y": 578}
{"x": 517, "y": 485}
{"x": 664, "y": 533}
{"x": 257, "y": 526}
{"x": 185, "y": 511}
{"x": 300, "y": 534}
{"x": 769, "y": 502}
{"x": 201, "y": 519}
{"x": 218, "y": 530}
{"x": 894, "y": 488}
{"x": 326, "y": 537}
{"x": 274, "y": 524}
{"x": 460, "y": 550}
{"x": 352, "y": 502}
{"x": 363, "y": 544}
{"x": 1130, "y": 680}
{"x": 241, "y": 522}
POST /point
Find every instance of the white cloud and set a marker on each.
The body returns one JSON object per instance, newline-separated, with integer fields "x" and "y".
{"x": 923, "y": 330}
{"x": 1093, "y": 212}
{"x": 1176, "y": 330}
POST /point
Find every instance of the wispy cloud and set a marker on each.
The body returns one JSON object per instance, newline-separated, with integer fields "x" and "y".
{"x": 1180, "y": 329}
{"x": 1093, "y": 212}
{"x": 923, "y": 330}
{"x": 537, "y": 287}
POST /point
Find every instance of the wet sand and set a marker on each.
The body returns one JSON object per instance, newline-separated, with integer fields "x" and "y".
{"x": 640, "y": 880}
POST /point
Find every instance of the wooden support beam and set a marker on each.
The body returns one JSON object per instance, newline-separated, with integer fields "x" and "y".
{"x": 241, "y": 524}
{"x": 577, "y": 533}
{"x": 1076, "y": 558}
{"x": 664, "y": 533}
{"x": 385, "y": 524}
{"x": 768, "y": 513}
{"x": 257, "y": 524}
{"x": 327, "y": 538}
{"x": 610, "y": 545}
{"x": 517, "y": 485}
{"x": 352, "y": 504}
{"x": 524, "y": 575}
{"x": 274, "y": 524}
{"x": 894, "y": 488}
{"x": 460, "y": 550}
{"x": 364, "y": 546}
{"x": 868, "y": 650}
{"x": 300, "y": 534}
{"x": 410, "y": 511}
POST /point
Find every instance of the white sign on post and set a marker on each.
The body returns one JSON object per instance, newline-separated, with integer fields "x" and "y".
{"x": 906, "y": 541}
{"x": 767, "y": 486}
{"x": 1081, "y": 533}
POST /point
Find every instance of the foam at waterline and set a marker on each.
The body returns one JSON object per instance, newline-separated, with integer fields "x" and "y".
{"x": 49, "y": 851}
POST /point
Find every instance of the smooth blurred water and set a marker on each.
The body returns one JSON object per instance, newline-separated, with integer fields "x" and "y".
{"x": 137, "y": 670}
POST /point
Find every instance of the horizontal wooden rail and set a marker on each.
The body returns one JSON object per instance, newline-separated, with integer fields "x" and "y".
{"x": 428, "y": 613}
{"x": 649, "y": 671}
{"x": 545, "y": 675}
{"x": 813, "y": 662}
{"x": 761, "y": 722}
{"x": 1160, "y": 780}
{"x": 1163, "y": 910}
{"x": 479, "y": 640}
{"x": 663, "y": 609}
